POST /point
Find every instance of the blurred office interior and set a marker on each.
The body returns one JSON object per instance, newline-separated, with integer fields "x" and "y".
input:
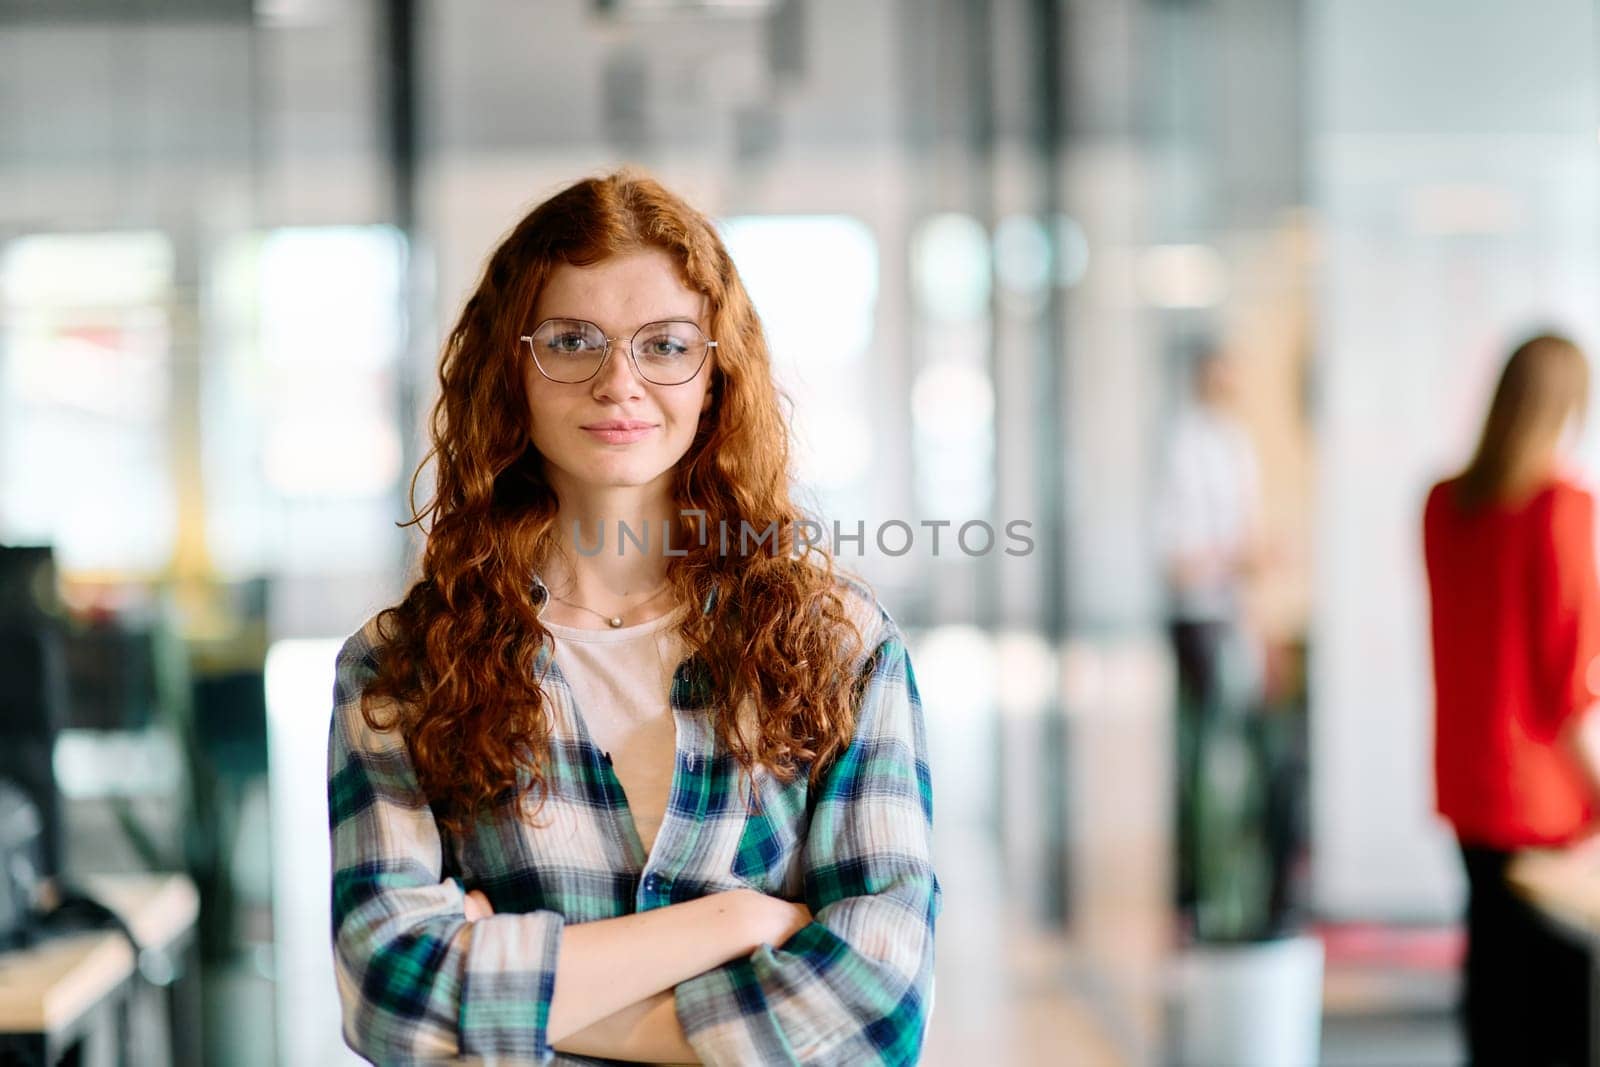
{"x": 986, "y": 238}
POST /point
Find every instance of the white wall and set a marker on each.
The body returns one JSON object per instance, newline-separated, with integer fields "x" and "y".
{"x": 1454, "y": 179}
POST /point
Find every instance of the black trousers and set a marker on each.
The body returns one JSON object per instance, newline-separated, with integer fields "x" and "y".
{"x": 1526, "y": 987}
{"x": 1196, "y": 648}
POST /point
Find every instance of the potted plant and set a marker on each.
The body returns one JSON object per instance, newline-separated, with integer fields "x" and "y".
{"x": 1249, "y": 979}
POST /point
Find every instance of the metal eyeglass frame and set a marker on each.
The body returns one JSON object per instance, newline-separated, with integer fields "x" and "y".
{"x": 633, "y": 356}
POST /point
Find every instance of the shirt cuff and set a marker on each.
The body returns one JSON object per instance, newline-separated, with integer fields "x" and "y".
{"x": 726, "y": 1018}
{"x": 509, "y": 980}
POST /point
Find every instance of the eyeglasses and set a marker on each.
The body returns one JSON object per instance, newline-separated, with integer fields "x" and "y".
{"x": 573, "y": 350}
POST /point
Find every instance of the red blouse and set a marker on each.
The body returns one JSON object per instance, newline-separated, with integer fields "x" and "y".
{"x": 1516, "y": 654}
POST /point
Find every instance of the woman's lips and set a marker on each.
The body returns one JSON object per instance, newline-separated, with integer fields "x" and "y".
{"x": 618, "y": 433}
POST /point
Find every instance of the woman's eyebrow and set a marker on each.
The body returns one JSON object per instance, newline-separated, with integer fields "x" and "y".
{"x": 683, "y": 316}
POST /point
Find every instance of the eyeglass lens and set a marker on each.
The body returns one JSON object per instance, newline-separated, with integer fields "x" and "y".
{"x": 666, "y": 353}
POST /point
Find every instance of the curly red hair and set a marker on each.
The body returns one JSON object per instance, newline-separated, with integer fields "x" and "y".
{"x": 459, "y": 655}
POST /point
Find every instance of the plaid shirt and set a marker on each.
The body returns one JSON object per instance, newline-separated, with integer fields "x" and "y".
{"x": 417, "y": 982}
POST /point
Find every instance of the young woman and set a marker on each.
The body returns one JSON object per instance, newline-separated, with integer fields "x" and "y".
{"x": 630, "y": 772}
{"x": 1516, "y": 654}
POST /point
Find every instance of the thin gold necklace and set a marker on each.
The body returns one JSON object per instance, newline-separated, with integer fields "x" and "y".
{"x": 614, "y": 621}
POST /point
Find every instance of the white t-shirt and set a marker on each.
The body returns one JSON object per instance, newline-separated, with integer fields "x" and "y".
{"x": 622, "y": 683}
{"x": 1209, "y": 504}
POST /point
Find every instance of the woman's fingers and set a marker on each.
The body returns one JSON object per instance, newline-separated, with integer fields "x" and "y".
{"x": 799, "y": 917}
{"x": 477, "y": 906}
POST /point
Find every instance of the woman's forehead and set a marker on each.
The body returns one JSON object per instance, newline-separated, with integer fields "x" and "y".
{"x": 629, "y": 288}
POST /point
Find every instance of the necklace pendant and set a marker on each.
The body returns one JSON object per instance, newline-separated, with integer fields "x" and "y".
{"x": 614, "y": 621}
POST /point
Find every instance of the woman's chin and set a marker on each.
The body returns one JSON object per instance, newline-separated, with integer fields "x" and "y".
{"x": 614, "y": 475}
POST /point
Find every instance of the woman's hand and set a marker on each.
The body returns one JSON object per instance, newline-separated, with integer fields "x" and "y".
{"x": 769, "y": 920}
{"x": 477, "y": 906}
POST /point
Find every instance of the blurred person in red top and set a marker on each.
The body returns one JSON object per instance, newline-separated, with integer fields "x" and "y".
{"x": 1516, "y": 661}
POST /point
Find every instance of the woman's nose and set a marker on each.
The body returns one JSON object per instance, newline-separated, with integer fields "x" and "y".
{"x": 617, "y": 380}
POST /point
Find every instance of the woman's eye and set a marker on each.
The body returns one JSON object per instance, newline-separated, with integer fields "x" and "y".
{"x": 664, "y": 347}
{"x": 568, "y": 342}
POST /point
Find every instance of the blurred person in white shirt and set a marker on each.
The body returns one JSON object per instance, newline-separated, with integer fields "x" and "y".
{"x": 1210, "y": 542}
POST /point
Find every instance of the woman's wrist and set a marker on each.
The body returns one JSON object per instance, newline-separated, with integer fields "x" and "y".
{"x": 748, "y": 920}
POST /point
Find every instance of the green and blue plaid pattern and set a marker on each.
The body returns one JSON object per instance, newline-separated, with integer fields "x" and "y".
{"x": 418, "y": 982}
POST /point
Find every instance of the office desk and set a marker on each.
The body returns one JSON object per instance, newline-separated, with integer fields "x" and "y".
{"x": 1565, "y": 887}
{"x": 71, "y": 997}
